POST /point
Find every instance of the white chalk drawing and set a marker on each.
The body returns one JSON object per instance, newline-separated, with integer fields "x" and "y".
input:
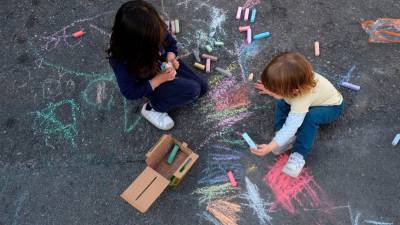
{"x": 51, "y": 88}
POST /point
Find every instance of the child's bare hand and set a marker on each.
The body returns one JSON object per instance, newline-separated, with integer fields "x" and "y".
{"x": 176, "y": 64}
{"x": 261, "y": 150}
{"x": 261, "y": 89}
{"x": 169, "y": 74}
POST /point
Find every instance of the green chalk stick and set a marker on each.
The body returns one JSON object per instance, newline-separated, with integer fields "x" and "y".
{"x": 172, "y": 155}
{"x": 209, "y": 48}
{"x": 219, "y": 43}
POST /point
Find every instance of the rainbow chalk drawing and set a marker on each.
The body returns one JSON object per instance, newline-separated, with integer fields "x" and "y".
{"x": 249, "y": 141}
{"x": 256, "y": 202}
{"x": 209, "y": 193}
{"x": 226, "y": 212}
{"x": 261, "y": 36}
{"x": 302, "y": 190}
{"x": 253, "y": 15}
{"x": 48, "y": 121}
{"x": 396, "y": 140}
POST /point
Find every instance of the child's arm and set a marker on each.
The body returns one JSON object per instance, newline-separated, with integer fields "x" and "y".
{"x": 289, "y": 129}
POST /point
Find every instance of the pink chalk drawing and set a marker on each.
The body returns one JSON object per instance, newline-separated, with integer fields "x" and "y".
{"x": 288, "y": 191}
{"x": 251, "y": 3}
{"x": 234, "y": 98}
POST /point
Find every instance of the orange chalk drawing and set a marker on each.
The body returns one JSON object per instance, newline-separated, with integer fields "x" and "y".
{"x": 383, "y": 30}
{"x": 224, "y": 211}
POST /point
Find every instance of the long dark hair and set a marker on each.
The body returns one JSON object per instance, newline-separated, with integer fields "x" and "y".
{"x": 137, "y": 36}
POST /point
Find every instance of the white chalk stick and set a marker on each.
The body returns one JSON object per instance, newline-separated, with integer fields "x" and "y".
{"x": 246, "y": 14}
{"x": 177, "y": 27}
{"x": 239, "y": 13}
{"x": 350, "y": 85}
{"x": 396, "y": 140}
{"x": 208, "y": 65}
{"x": 173, "y": 26}
{"x": 249, "y": 37}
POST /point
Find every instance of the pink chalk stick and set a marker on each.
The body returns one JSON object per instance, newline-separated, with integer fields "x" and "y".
{"x": 78, "y": 34}
{"x": 246, "y": 14}
{"x": 316, "y": 48}
{"x": 239, "y": 13}
{"x": 244, "y": 29}
{"x": 249, "y": 37}
{"x": 232, "y": 179}
{"x": 208, "y": 65}
{"x": 206, "y": 56}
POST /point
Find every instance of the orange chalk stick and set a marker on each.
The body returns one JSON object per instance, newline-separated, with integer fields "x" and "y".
{"x": 244, "y": 28}
{"x": 78, "y": 34}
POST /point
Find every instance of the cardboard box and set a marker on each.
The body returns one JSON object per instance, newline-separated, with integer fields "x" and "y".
{"x": 149, "y": 185}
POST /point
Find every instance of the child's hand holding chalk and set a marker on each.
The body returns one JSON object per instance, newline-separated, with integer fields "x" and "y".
{"x": 260, "y": 88}
{"x": 264, "y": 149}
{"x": 176, "y": 64}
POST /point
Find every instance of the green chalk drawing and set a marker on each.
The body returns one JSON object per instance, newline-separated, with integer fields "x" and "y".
{"x": 62, "y": 69}
{"x": 91, "y": 85}
{"x": 128, "y": 128}
{"x": 47, "y": 123}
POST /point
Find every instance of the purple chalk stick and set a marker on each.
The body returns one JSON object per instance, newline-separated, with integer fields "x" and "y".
{"x": 350, "y": 85}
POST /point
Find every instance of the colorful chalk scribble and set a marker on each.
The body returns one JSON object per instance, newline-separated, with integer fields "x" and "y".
{"x": 288, "y": 191}
{"x": 225, "y": 211}
{"x": 51, "y": 121}
{"x": 209, "y": 193}
{"x": 383, "y": 30}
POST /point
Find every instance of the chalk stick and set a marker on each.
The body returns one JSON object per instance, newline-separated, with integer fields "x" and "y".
{"x": 209, "y": 48}
{"x": 172, "y": 155}
{"x": 165, "y": 66}
{"x": 199, "y": 66}
{"x": 396, "y": 140}
{"x": 244, "y": 28}
{"x": 208, "y": 65}
{"x": 249, "y": 141}
{"x": 249, "y": 36}
{"x": 246, "y": 14}
{"x": 350, "y": 86}
{"x": 177, "y": 26}
{"x": 232, "y": 179}
{"x": 218, "y": 43}
{"x": 253, "y": 15}
{"x": 239, "y": 13}
{"x": 316, "y": 48}
{"x": 224, "y": 72}
{"x": 261, "y": 35}
{"x": 78, "y": 34}
{"x": 196, "y": 54}
{"x": 206, "y": 56}
{"x": 173, "y": 26}
{"x": 250, "y": 77}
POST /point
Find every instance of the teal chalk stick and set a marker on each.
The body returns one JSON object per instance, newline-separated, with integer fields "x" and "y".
{"x": 262, "y": 35}
{"x": 249, "y": 141}
{"x": 172, "y": 155}
{"x": 253, "y": 16}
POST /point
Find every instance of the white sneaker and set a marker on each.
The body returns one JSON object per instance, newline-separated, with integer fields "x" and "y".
{"x": 294, "y": 165}
{"x": 287, "y": 146}
{"x": 161, "y": 120}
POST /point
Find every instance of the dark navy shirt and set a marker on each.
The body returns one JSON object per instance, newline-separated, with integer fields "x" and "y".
{"x": 129, "y": 84}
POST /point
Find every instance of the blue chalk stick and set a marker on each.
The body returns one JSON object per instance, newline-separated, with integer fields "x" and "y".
{"x": 253, "y": 16}
{"x": 396, "y": 140}
{"x": 249, "y": 141}
{"x": 262, "y": 35}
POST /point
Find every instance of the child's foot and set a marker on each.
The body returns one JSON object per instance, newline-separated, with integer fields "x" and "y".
{"x": 287, "y": 146}
{"x": 294, "y": 165}
{"x": 161, "y": 120}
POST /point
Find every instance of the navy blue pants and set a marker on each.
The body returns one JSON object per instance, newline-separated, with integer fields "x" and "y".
{"x": 186, "y": 88}
{"x": 315, "y": 117}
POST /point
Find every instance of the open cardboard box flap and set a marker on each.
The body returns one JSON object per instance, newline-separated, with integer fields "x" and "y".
{"x": 149, "y": 185}
{"x": 145, "y": 189}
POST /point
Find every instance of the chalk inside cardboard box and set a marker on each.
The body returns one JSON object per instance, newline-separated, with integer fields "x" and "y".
{"x": 149, "y": 185}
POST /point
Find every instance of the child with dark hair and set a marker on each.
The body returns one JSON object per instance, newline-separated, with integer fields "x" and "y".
{"x": 304, "y": 101}
{"x": 140, "y": 43}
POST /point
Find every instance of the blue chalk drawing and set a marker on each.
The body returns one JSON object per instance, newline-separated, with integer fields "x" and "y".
{"x": 86, "y": 94}
{"x": 47, "y": 122}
